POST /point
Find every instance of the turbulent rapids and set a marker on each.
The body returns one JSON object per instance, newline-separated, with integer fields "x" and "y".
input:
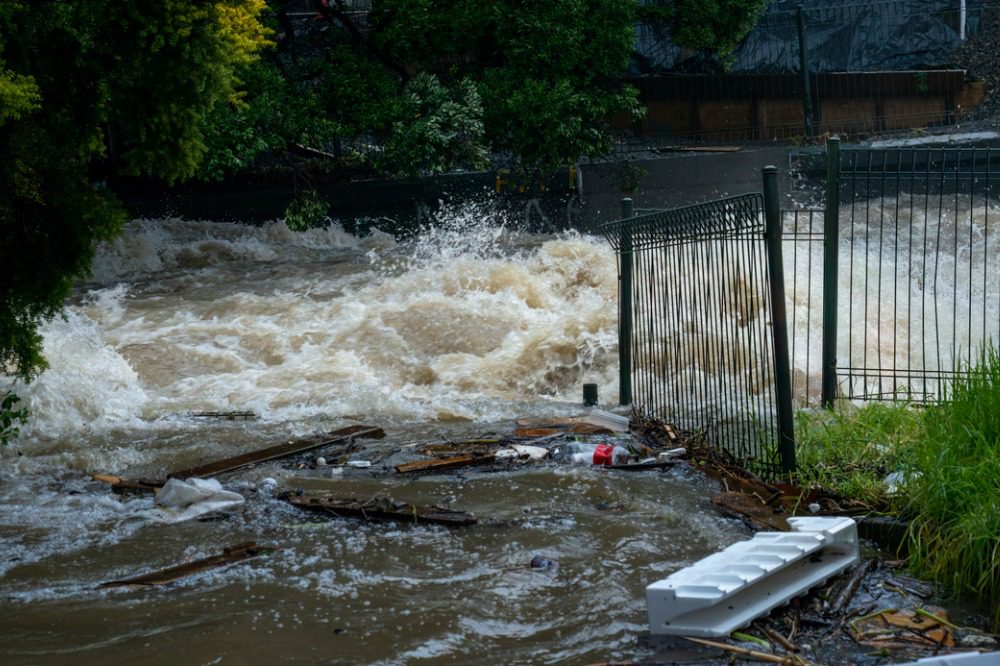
{"x": 464, "y": 321}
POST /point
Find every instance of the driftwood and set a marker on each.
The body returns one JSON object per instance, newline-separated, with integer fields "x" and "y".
{"x": 231, "y": 555}
{"x": 121, "y": 486}
{"x": 850, "y": 587}
{"x": 379, "y": 508}
{"x": 464, "y": 460}
{"x": 745, "y": 652}
{"x": 225, "y": 416}
{"x": 280, "y": 451}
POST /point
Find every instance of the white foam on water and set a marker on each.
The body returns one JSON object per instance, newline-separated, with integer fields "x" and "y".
{"x": 467, "y": 320}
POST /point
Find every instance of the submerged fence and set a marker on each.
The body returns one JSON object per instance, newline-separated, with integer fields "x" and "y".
{"x": 918, "y": 252}
{"x": 700, "y": 288}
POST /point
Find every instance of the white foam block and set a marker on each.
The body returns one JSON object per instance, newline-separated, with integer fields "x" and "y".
{"x": 725, "y": 591}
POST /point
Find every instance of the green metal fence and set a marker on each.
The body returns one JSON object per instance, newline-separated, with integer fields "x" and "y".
{"x": 913, "y": 269}
{"x": 892, "y": 289}
{"x": 702, "y": 340}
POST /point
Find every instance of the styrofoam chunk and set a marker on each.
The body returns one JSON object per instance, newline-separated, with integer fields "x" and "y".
{"x": 729, "y": 589}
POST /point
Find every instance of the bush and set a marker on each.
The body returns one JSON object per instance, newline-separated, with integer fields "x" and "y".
{"x": 954, "y": 487}
{"x": 11, "y": 418}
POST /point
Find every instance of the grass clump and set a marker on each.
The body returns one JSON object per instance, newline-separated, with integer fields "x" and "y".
{"x": 851, "y": 450}
{"x": 953, "y": 487}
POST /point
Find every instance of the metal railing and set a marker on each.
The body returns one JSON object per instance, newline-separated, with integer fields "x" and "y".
{"x": 702, "y": 335}
{"x": 892, "y": 290}
{"x": 917, "y": 246}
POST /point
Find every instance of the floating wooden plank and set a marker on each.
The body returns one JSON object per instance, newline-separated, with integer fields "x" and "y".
{"x": 640, "y": 466}
{"x": 440, "y": 464}
{"x": 121, "y": 485}
{"x": 528, "y": 431}
{"x": 380, "y": 508}
{"x": 231, "y": 555}
{"x": 280, "y": 451}
{"x": 225, "y": 416}
{"x": 468, "y": 446}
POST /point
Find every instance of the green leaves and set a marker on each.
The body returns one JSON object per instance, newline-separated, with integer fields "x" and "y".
{"x": 438, "y": 129}
{"x": 11, "y": 418}
{"x": 88, "y": 90}
{"x": 430, "y": 86}
{"x": 708, "y": 26}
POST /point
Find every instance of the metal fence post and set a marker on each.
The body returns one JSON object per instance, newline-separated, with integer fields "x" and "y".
{"x": 625, "y": 309}
{"x": 807, "y": 112}
{"x": 779, "y": 321}
{"x": 831, "y": 248}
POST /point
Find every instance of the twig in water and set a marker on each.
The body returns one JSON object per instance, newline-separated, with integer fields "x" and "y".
{"x": 745, "y": 652}
{"x": 778, "y": 638}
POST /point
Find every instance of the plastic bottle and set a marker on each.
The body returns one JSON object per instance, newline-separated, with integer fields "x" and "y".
{"x": 585, "y": 453}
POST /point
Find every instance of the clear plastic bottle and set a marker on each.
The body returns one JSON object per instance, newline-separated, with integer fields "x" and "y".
{"x": 586, "y": 453}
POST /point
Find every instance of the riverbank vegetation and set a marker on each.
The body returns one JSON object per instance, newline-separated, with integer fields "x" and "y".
{"x": 937, "y": 467}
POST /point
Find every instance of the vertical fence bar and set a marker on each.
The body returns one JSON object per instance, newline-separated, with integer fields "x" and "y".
{"x": 807, "y": 114}
{"x": 831, "y": 257}
{"x": 779, "y": 320}
{"x": 625, "y": 309}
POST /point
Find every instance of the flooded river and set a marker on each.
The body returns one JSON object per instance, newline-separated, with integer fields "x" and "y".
{"x": 449, "y": 335}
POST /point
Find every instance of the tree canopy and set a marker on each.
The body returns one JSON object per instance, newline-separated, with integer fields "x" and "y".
{"x": 89, "y": 89}
{"x": 417, "y": 87}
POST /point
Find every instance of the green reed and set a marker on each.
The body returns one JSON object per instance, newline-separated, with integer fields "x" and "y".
{"x": 953, "y": 487}
{"x": 851, "y": 450}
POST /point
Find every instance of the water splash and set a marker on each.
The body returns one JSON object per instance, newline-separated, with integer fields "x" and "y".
{"x": 469, "y": 319}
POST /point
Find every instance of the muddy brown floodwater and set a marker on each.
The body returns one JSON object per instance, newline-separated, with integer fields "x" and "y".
{"x": 449, "y": 335}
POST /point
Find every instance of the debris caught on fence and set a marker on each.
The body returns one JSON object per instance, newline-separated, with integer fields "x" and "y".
{"x": 340, "y": 436}
{"x": 379, "y": 508}
{"x": 232, "y": 555}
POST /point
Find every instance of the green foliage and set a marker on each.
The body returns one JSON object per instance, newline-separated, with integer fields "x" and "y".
{"x": 949, "y": 459}
{"x": 272, "y": 113}
{"x": 90, "y": 89}
{"x": 430, "y": 86}
{"x": 708, "y": 26}
{"x": 851, "y": 450}
{"x": 305, "y": 211}
{"x": 11, "y": 418}
{"x": 954, "y": 487}
{"x": 438, "y": 128}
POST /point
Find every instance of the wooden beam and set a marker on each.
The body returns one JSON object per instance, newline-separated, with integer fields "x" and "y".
{"x": 438, "y": 464}
{"x": 380, "y": 508}
{"x": 231, "y": 555}
{"x": 280, "y": 451}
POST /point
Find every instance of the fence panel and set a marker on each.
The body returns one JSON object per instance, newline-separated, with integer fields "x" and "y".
{"x": 802, "y": 237}
{"x": 696, "y": 325}
{"x": 919, "y": 284}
